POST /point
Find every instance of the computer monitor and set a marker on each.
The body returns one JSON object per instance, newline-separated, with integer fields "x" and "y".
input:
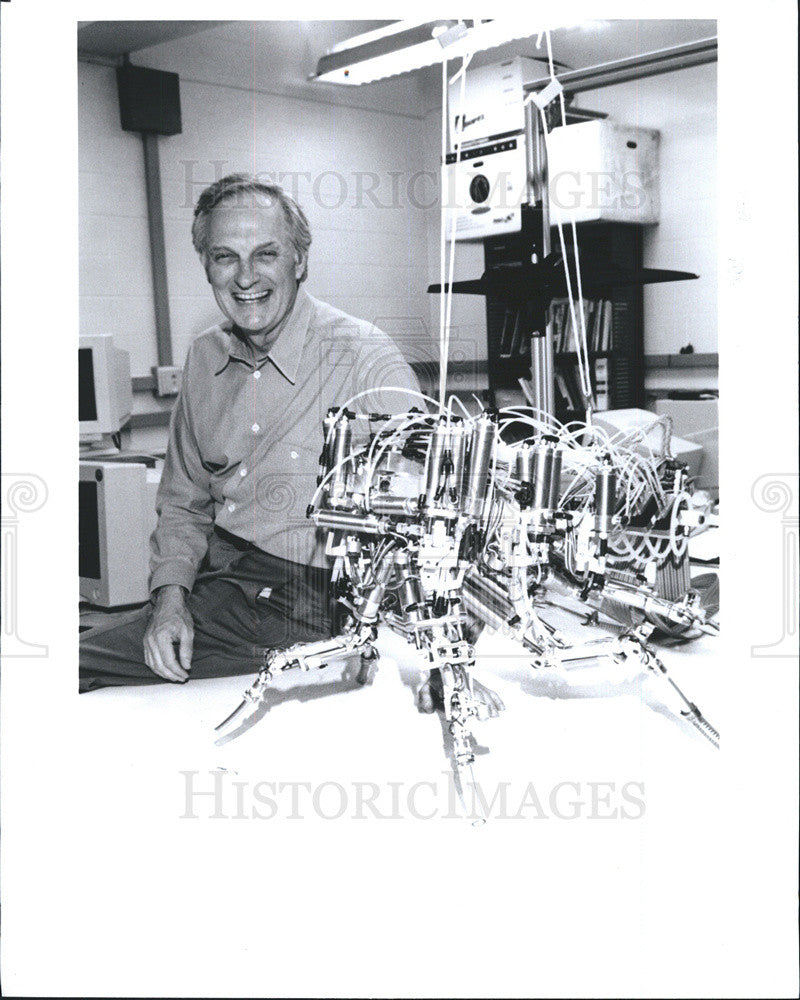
{"x": 116, "y": 516}
{"x": 105, "y": 397}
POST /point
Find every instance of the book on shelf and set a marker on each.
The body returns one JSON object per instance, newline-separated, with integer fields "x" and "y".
{"x": 605, "y": 334}
{"x": 597, "y": 316}
{"x": 513, "y": 342}
{"x": 507, "y": 333}
{"x": 567, "y": 390}
{"x": 562, "y": 393}
{"x": 569, "y": 393}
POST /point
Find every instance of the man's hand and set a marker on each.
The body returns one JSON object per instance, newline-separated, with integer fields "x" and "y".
{"x": 171, "y": 623}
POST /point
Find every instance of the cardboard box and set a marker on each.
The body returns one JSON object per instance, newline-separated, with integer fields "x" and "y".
{"x": 600, "y": 171}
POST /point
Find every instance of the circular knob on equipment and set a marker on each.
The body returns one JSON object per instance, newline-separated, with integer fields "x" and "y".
{"x": 479, "y": 188}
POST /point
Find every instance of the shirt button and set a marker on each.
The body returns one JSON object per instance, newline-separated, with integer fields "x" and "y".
{"x": 257, "y": 374}
{"x": 256, "y": 428}
{"x": 242, "y": 472}
{"x": 231, "y": 507}
{"x": 293, "y": 454}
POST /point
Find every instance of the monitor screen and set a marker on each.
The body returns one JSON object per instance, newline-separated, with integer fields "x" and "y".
{"x": 104, "y": 386}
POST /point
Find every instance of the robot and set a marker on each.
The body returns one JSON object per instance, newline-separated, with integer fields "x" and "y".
{"x": 439, "y": 524}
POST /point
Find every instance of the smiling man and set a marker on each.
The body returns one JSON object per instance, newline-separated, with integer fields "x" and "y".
{"x": 236, "y": 566}
{"x": 255, "y": 254}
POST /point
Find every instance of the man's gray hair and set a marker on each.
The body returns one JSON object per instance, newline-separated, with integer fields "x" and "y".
{"x": 237, "y": 186}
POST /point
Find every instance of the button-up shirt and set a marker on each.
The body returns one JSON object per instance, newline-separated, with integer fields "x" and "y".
{"x": 246, "y": 434}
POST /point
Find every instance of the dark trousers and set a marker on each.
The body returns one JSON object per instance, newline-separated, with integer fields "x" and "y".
{"x": 233, "y": 625}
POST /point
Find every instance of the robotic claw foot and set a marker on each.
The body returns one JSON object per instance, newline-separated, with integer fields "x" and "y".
{"x": 305, "y": 656}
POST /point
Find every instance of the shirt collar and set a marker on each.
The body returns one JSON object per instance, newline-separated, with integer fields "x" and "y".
{"x": 287, "y": 350}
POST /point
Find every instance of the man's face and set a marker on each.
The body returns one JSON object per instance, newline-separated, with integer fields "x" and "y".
{"x": 252, "y": 265}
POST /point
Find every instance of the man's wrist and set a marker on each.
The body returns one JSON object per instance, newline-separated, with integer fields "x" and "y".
{"x": 170, "y": 593}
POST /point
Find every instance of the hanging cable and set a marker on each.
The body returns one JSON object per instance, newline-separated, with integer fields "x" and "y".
{"x": 444, "y": 339}
{"x": 443, "y": 233}
{"x": 586, "y": 385}
{"x": 578, "y": 316}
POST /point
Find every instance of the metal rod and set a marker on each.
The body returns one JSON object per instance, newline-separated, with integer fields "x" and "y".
{"x": 635, "y": 68}
{"x": 547, "y": 403}
{"x": 158, "y": 256}
{"x": 542, "y": 345}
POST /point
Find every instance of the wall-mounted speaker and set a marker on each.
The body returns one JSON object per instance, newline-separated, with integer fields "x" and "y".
{"x": 149, "y": 100}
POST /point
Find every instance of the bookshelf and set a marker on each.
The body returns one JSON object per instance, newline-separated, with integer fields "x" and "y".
{"x": 505, "y": 323}
{"x": 614, "y": 321}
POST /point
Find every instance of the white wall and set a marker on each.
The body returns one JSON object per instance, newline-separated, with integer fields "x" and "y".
{"x": 116, "y": 291}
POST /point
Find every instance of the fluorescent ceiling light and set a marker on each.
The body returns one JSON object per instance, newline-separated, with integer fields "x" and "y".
{"x": 404, "y": 46}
